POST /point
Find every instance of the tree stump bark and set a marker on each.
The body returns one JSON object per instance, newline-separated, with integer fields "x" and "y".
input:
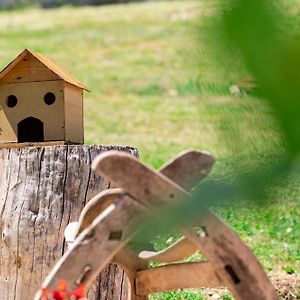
{"x": 42, "y": 189}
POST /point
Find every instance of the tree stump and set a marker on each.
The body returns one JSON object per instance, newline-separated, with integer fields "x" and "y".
{"x": 42, "y": 189}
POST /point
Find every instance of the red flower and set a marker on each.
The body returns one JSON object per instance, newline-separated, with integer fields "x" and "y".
{"x": 57, "y": 295}
{"x": 62, "y": 293}
{"x": 79, "y": 292}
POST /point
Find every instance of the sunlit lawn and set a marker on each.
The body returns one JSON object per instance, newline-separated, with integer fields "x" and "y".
{"x": 156, "y": 85}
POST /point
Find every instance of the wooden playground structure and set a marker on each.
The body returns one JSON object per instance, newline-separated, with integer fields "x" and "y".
{"x": 111, "y": 219}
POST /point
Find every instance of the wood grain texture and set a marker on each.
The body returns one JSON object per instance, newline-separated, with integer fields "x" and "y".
{"x": 233, "y": 261}
{"x": 70, "y": 266}
{"x": 74, "y": 118}
{"x": 42, "y": 189}
{"x": 27, "y": 68}
{"x": 30, "y": 144}
{"x": 176, "y": 276}
{"x": 230, "y": 262}
{"x": 196, "y": 164}
{"x": 30, "y": 66}
{"x": 188, "y": 168}
{"x": 96, "y": 246}
{"x": 95, "y": 207}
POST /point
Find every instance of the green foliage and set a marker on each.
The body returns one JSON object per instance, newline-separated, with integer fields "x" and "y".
{"x": 289, "y": 269}
{"x": 177, "y": 295}
{"x": 273, "y": 60}
{"x": 274, "y": 63}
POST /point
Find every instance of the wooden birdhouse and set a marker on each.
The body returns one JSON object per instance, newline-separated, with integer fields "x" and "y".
{"x": 39, "y": 102}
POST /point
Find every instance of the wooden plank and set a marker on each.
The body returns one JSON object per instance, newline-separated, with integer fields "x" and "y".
{"x": 73, "y": 108}
{"x": 176, "y": 276}
{"x": 90, "y": 212}
{"x": 26, "y": 145}
{"x": 202, "y": 163}
{"x": 188, "y": 168}
{"x": 233, "y": 261}
{"x": 96, "y": 206}
{"x": 126, "y": 258}
{"x": 96, "y": 246}
{"x": 7, "y": 131}
{"x": 176, "y": 169}
{"x": 151, "y": 193}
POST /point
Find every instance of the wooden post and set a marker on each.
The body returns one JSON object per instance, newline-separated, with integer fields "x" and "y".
{"x": 42, "y": 189}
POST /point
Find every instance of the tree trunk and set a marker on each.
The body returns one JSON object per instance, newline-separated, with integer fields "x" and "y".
{"x": 42, "y": 189}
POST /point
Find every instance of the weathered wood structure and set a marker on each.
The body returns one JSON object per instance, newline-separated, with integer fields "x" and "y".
{"x": 42, "y": 189}
{"x": 98, "y": 240}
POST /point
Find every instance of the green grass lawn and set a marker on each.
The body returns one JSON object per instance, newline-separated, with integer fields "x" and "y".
{"x": 157, "y": 85}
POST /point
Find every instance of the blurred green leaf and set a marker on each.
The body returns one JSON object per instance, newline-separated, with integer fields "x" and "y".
{"x": 252, "y": 26}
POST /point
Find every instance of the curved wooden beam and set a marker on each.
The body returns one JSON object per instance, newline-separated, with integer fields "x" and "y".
{"x": 73, "y": 262}
{"x": 96, "y": 246}
{"x": 96, "y": 206}
{"x": 186, "y": 169}
{"x": 233, "y": 261}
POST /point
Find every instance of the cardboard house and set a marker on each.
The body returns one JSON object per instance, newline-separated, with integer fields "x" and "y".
{"x": 39, "y": 102}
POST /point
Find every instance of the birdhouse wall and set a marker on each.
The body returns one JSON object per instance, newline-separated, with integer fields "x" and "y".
{"x": 31, "y": 103}
{"x": 74, "y": 114}
{"x": 29, "y": 69}
{"x": 7, "y": 133}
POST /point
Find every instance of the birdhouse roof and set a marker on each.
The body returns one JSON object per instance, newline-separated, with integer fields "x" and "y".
{"x": 48, "y": 63}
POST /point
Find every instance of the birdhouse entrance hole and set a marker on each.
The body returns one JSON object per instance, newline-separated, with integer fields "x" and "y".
{"x": 31, "y": 130}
